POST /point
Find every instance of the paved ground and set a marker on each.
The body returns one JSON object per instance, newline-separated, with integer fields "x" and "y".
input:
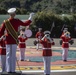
{"x": 54, "y": 73}
{"x": 30, "y": 42}
{"x": 36, "y": 73}
{"x": 33, "y": 64}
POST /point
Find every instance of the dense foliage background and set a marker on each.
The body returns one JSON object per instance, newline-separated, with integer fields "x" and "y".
{"x": 54, "y": 23}
{"x": 60, "y": 13}
{"x": 26, "y": 6}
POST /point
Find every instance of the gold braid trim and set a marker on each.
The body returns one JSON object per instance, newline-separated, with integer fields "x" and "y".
{"x": 11, "y": 30}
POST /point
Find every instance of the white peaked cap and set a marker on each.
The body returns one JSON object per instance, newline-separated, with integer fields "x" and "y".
{"x": 46, "y": 32}
{"x": 65, "y": 28}
{"x": 11, "y": 10}
{"x": 40, "y": 28}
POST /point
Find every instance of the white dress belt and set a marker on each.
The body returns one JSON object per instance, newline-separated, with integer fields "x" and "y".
{"x": 21, "y": 42}
{"x": 45, "y": 48}
{"x": 65, "y": 42}
{"x": 3, "y": 47}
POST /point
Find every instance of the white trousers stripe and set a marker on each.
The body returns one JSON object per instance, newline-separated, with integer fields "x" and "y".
{"x": 3, "y": 62}
{"x": 47, "y": 64}
{"x": 64, "y": 53}
{"x": 22, "y": 53}
{"x": 11, "y": 57}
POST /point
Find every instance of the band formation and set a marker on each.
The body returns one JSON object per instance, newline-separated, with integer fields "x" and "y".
{"x": 14, "y": 33}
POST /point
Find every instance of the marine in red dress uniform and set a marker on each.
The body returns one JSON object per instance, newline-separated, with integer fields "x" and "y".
{"x": 47, "y": 42}
{"x": 11, "y": 45}
{"x": 65, "y": 45}
{"x": 39, "y": 36}
{"x": 3, "y": 53}
{"x": 64, "y": 31}
{"x": 22, "y": 45}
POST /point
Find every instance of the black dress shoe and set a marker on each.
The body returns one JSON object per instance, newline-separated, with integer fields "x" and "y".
{"x": 64, "y": 60}
{"x": 11, "y": 72}
{"x": 22, "y": 60}
{"x": 8, "y": 72}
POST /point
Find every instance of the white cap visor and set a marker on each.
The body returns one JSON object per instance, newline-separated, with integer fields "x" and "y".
{"x": 47, "y": 32}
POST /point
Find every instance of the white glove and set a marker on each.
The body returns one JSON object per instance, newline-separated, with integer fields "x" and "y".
{"x": 3, "y": 37}
{"x": 23, "y": 36}
{"x": 48, "y": 36}
{"x": 67, "y": 34}
{"x": 50, "y": 39}
{"x": 44, "y": 37}
{"x": 31, "y": 16}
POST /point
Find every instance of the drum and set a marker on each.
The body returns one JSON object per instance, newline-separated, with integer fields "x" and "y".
{"x": 28, "y": 33}
{"x": 71, "y": 42}
{"x": 35, "y": 42}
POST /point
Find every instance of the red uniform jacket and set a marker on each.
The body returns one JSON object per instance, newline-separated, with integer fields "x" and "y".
{"x": 15, "y": 23}
{"x": 65, "y": 41}
{"x": 39, "y": 35}
{"x": 47, "y": 48}
{"x": 22, "y": 43}
{"x": 62, "y": 34}
{"x": 2, "y": 47}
